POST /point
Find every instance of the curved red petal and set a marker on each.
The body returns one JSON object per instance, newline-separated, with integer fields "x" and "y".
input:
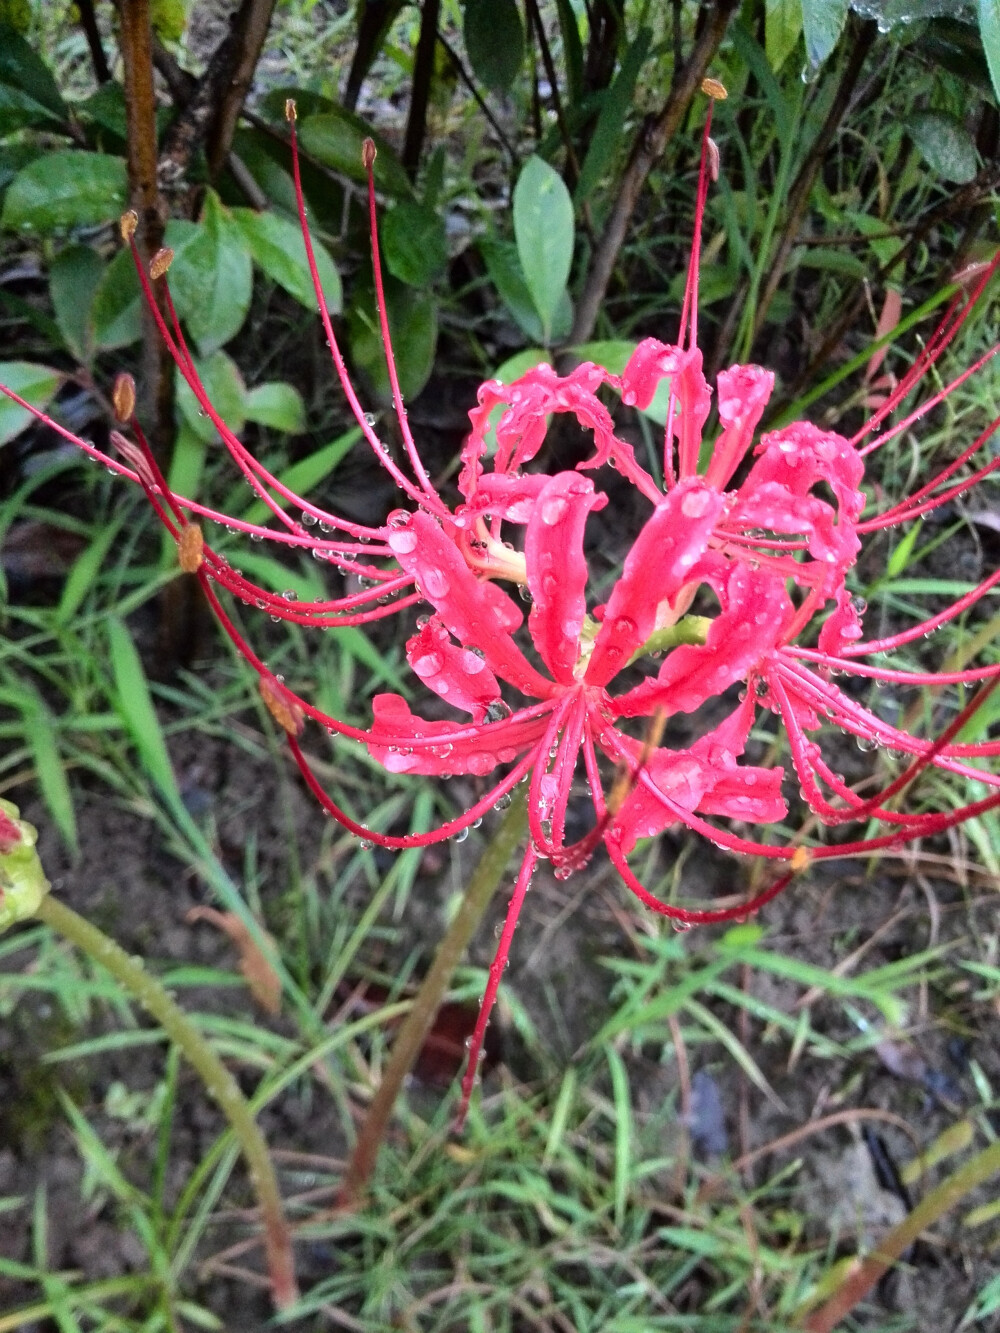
{"x": 399, "y": 741}
{"x": 743, "y": 393}
{"x": 557, "y": 570}
{"x": 656, "y": 568}
{"x": 460, "y": 676}
{"x": 479, "y": 615}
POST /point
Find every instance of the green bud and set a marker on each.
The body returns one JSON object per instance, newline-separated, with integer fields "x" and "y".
{"x": 22, "y": 881}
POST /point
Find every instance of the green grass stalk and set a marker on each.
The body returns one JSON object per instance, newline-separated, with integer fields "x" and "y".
{"x": 219, "y": 1083}
{"x": 861, "y": 1278}
{"x": 418, "y": 1022}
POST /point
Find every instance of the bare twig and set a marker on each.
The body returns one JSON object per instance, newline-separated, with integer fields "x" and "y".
{"x": 798, "y": 195}
{"x": 136, "y": 41}
{"x": 88, "y": 22}
{"x": 423, "y": 75}
{"x": 650, "y": 143}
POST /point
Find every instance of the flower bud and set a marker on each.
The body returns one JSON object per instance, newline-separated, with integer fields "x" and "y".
{"x": 127, "y": 224}
{"x": 22, "y": 881}
{"x": 160, "y": 262}
{"x": 190, "y": 548}
{"x": 123, "y": 397}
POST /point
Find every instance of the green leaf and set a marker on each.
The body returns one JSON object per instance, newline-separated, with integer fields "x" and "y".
{"x": 782, "y": 29}
{"x": 606, "y": 144}
{"x": 73, "y": 280}
{"x": 303, "y": 476}
{"x": 278, "y": 249}
{"x": 137, "y": 712}
{"x": 226, "y": 392}
{"x": 116, "y": 312}
{"x": 413, "y": 325}
{"x": 335, "y": 138}
{"x": 543, "y": 230}
{"x": 211, "y": 278}
{"x": 277, "y": 405}
{"x": 822, "y": 23}
{"x": 83, "y": 576}
{"x": 494, "y": 41}
{"x": 989, "y": 30}
{"x": 569, "y": 27}
{"x": 40, "y": 735}
{"x": 35, "y": 384}
{"x": 946, "y": 145}
{"x": 413, "y": 243}
{"x": 29, "y": 94}
{"x": 505, "y": 273}
{"x": 70, "y": 188}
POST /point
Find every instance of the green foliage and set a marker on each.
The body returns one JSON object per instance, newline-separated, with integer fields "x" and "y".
{"x": 494, "y": 41}
{"x": 543, "y": 230}
{"x": 65, "y": 189}
{"x": 35, "y": 384}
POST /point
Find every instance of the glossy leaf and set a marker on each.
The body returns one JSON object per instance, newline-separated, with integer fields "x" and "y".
{"x": 35, "y": 384}
{"x": 335, "y": 137}
{"x": 226, "y": 390}
{"x": 413, "y": 321}
{"x": 782, "y": 29}
{"x": 211, "y": 278}
{"x": 494, "y": 41}
{"x": 29, "y": 95}
{"x": 413, "y": 243}
{"x": 543, "y": 229}
{"x": 70, "y": 188}
{"x": 278, "y": 249}
{"x": 277, "y": 405}
{"x": 822, "y": 23}
{"x": 989, "y": 30}
{"x": 116, "y": 312}
{"x": 73, "y": 280}
{"x": 946, "y": 145}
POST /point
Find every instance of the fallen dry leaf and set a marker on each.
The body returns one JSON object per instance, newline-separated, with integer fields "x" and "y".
{"x": 259, "y": 973}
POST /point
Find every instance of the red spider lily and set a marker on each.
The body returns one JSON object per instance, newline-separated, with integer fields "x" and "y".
{"x": 774, "y": 548}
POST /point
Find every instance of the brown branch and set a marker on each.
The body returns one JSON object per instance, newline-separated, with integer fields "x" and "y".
{"x": 210, "y": 113}
{"x": 246, "y": 41}
{"x": 423, "y": 76}
{"x": 88, "y": 22}
{"x": 798, "y": 195}
{"x": 959, "y": 204}
{"x": 649, "y": 146}
{"x": 136, "y": 43}
{"x": 572, "y": 163}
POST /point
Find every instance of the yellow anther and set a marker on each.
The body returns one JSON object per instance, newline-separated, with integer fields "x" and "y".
{"x": 285, "y": 710}
{"x": 368, "y": 154}
{"x": 123, "y": 396}
{"x": 190, "y": 548}
{"x": 801, "y": 860}
{"x": 713, "y": 88}
{"x": 291, "y": 112}
{"x": 160, "y": 262}
{"x": 127, "y": 224}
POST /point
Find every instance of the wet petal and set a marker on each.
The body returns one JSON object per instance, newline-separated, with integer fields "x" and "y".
{"x": 743, "y": 392}
{"x": 479, "y": 615}
{"x": 557, "y": 570}
{"x": 755, "y": 610}
{"x": 653, "y": 361}
{"x": 396, "y": 736}
{"x": 460, "y": 676}
{"x": 659, "y": 564}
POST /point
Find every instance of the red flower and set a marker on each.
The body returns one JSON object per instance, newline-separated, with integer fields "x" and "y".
{"x": 774, "y": 549}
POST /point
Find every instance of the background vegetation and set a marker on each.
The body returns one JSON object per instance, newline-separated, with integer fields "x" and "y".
{"x": 676, "y": 1131}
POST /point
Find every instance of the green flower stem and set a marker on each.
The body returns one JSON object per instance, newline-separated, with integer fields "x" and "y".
{"x": 418, "y": 1022}
{"x": 218, "y": 1081}
{"x": 861, "y": 1278}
